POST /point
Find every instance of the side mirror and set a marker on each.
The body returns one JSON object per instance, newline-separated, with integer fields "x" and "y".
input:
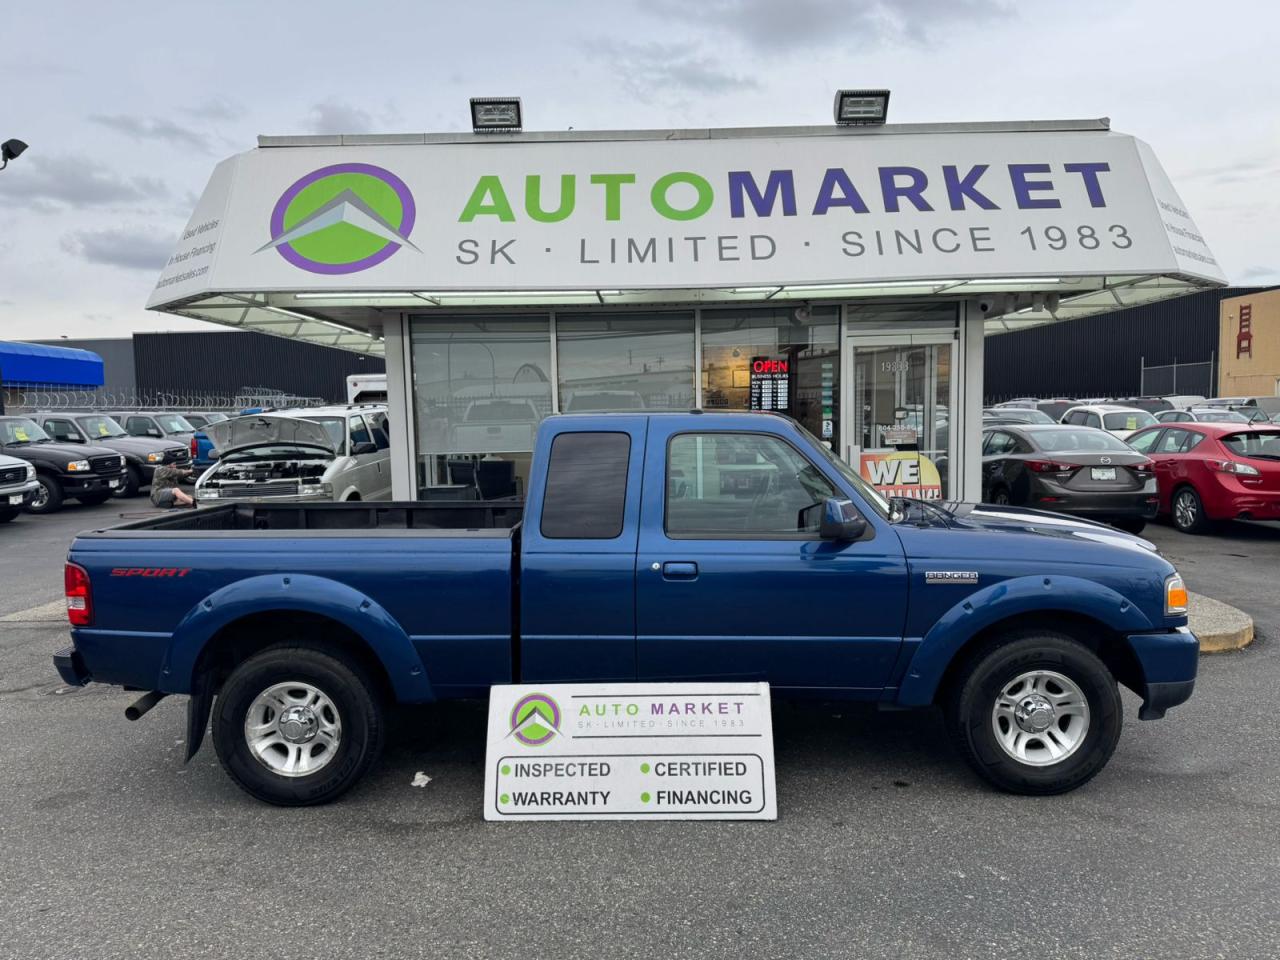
{"x": 841, "y": 521}
{"x": 213, "y": 453}
{"x": 360, "y": 449}
{"x": 154, "y": 432}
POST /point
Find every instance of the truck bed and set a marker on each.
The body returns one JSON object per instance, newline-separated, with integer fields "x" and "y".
{"x": 295, "y": 517}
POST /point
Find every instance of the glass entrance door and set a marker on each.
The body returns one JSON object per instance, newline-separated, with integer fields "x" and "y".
{"x": 901, "y": 403}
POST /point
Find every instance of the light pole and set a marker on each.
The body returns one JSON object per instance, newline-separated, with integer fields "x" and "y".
{"x": 10, "y": 150}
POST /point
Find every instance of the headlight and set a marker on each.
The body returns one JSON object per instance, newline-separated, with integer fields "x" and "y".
{"x": 207, "y": 493}
{"x": 155, "y": 457}
{"x": 122, "y": 460}
{"x": 316, "y": 490}
{"x": 78, "y": 465}
{"x": 31, "y": 471}
{"x": 1175, "y": 596}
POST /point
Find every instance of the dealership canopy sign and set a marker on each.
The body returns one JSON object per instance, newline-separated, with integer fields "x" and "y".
{"x": 684, "y": 213}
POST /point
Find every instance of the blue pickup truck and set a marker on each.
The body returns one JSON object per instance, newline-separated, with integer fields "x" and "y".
{"x": 657, "y": 547}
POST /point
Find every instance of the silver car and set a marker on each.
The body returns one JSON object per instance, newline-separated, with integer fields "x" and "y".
{"x": 18, "y": 486}
{"x": 326, "y": 453}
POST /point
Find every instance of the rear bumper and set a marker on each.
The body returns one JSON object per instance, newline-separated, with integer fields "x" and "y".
{"x": 1169, "y": 662}
{"x": 1139, "y": 504}
{"x": 71, "y": 668}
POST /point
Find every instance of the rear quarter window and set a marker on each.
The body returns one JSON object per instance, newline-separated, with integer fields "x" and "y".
{"x": 586, "y": 491}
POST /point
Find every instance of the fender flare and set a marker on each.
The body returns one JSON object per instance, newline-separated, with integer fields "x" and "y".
{"x": 299, "y": 593}
{"x": 1009, "y": 598}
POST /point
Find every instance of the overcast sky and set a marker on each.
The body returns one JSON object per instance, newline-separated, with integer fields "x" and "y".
{"x": 127, "y": 106}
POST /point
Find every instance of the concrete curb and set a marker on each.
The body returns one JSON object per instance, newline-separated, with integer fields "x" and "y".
{"x": 1220, "y": 626}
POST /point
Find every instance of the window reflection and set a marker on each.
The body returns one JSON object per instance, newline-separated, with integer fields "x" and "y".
{"x": 625, "y": 361}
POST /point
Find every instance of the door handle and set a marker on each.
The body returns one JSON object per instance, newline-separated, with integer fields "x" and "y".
{"x": 679, "y": 570}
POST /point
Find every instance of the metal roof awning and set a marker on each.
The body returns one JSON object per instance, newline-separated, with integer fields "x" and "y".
{"x": 319, "y": 238}
{"x": 38, "y": 365}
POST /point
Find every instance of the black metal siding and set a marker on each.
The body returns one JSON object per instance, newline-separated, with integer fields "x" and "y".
{"x": 1102, "y": 356}
{"x": 223, "y": 363}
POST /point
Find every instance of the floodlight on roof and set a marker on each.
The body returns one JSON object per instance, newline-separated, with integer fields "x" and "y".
{"x": 861, "y": 107}
{"x": 496, "y": 115}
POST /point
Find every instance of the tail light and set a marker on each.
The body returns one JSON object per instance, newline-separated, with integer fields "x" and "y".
{"x": 1143, "y": 469}
{"x": 1234, "y": 466}
{"x": 1050, "y": 466}
{"x": 195, "y": 447}
{"x": 79, "y": 595}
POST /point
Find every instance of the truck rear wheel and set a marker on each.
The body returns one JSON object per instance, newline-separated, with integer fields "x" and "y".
{"x": 1035, "y": 712}
{"x": 296, "y": 725}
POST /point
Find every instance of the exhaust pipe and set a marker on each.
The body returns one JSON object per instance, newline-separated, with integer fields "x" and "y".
{"x": 143, "y": 704}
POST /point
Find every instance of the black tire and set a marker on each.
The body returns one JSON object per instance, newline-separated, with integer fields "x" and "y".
{"x": 347, "y": 686}
{"x": 132, "y": 482}
{"x": 972, "y": 699}
{"x": 96, "y": 499}
{"x": 1191, "y": 517}
{"x": 7, "y": 514}
{"x": 48, "y": 497}
{"x": 1000, "y": 497}
{"x": 1134, "y": 525}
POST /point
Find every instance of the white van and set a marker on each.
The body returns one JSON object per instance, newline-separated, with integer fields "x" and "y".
{"x": 325, "y": 453}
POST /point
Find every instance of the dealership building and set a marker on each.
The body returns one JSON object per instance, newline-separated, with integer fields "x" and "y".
{"x": 844, "y": 275}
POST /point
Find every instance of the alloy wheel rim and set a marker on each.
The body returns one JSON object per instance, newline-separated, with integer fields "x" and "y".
{"x": 1040, "y": 717}
{"x": 42, "y": 496}
{"x": 293, "y": 729}
{"x": 1185, "y": 509}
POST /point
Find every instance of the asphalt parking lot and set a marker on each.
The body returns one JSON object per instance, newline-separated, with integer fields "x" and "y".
{"x": 886, "y": 846}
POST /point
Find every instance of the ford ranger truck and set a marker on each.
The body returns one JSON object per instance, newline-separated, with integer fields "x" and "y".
{"x": 652, "y": 547}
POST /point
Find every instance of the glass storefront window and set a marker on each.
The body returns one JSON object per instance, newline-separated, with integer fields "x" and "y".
{"x": 481, "y": 385}
{"x": 784, "y": 358}
{"x": 625, "y": 361}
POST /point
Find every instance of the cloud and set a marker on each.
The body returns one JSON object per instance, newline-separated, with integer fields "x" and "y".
{"x": 772, "y": 27}
{"x": 657, "y": 67}
{"x": 217, "y": 108}
{"x": 165, "y": 131}
{"x": 333, "y": 116}
{"x": 47, "y": 182}
{"x": 1260, "y": 274}
{"x": 133, "y": 248}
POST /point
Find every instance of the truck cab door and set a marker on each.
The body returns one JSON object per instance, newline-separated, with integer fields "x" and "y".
{"x": 578, "y": 552}
{"x": 733, "y": 580}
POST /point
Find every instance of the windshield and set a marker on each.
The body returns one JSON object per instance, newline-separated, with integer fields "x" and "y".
{"x": 196, "y": 420}
{"x": 101, "y": 427}
{"x": 1083, "y": 438}
{"x": 214, "y": 417}
{"x": 1128, "y": 420}
{"x": 21, "y": 430}
{"x": 336, "y": 429}
{"x": 1027, "y": 416}
{"x": 173, "y": 423}
{"x": 868, "y": 492}
{"x": 1257, "y": 445}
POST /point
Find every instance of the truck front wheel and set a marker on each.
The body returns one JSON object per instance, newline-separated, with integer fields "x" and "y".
{"x": 296, "y": 725}
{"x": 1035, "y": 712}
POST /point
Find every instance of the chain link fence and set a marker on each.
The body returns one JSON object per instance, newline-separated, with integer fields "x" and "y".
{"x": 31, "y": 400}
{"x": 1172, "y": 379}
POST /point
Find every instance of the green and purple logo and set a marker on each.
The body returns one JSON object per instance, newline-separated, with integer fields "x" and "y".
{"x": 342, "y": 218}
{"x": 535, "y": 719}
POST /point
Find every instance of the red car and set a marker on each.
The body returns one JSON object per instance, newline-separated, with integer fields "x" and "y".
{"x": 1213, "y": 471}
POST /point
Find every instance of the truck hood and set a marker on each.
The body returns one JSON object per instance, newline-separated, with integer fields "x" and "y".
{"x": 261, "y": 430}
{"x": 987, "y": 516}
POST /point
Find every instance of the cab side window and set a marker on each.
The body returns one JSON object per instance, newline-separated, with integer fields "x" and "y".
{"x": 1092, "y": 420}
{"x": 359, "y": 432}
{"x": 378, "y": 428}
{"x": 138, "y": 426}
{"x": 737, "y": 485}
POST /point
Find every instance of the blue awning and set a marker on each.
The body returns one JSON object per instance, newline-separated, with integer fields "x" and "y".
{"x": 35, "y": 365}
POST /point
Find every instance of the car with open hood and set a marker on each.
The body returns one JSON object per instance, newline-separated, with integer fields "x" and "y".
{"x": 142, "y": 455}
{"x": 86, "y": 472}
{"x": 325, "y": 453}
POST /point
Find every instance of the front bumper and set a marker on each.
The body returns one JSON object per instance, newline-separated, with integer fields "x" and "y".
{"x": 77, "y": 484}
{"x": 1169, "y": 662}
{"x": 23, "y": 492}
{"x": 71, "y": 668}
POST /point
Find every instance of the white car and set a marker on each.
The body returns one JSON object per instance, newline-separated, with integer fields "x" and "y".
{"x": 1116, "y": 420}
{"x": 326, "y": 453}
{"x": 18, "y": 486}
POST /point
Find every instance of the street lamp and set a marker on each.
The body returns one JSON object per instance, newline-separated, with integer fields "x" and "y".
{"x": 10, "y": 150}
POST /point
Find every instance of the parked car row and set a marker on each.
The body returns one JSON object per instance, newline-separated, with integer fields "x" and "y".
{"x": 331, "y": 453}
{"x": 1206, "y": 461}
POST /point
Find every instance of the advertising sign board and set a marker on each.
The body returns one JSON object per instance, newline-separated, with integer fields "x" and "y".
{"x": 630, "y": 751}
